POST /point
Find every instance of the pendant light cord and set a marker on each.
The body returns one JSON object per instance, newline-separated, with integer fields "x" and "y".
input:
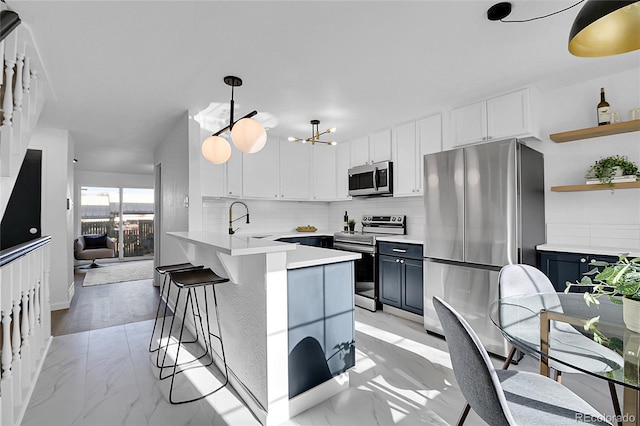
{"x": 545, "y": 16}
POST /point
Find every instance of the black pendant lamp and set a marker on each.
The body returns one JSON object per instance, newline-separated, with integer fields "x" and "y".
{"x": 9, "y": 20}
{"x": 605, "y": 28}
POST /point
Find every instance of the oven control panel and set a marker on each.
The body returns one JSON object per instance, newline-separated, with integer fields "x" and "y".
{"x": 395, "y": 220}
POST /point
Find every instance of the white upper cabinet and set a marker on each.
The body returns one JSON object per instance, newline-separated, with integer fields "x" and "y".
{"x": 372, "y": 149}
{"x": 212, "y": 178}
{"x": 411, "y": 141}
{"x": 359, "y": 152}
{"x": 380, "y": 146}
{"x": 234, "y": 173}
{"x": 510, "y": 115}
{"x": 294, "y": 170}
{"x": 342, "y": 170}
{"x": 260, "y": 172}
{"x": 324, "y": 172}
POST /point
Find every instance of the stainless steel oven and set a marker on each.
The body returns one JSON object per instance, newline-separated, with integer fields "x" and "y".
{"x": 366, "y": 268}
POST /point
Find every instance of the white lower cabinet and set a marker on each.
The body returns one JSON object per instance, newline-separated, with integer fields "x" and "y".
{"x": 411, "y": 141}
{"x": 324, "y": 172}
{"x": 260, "y": 172}
{"x": 294, "y": 170}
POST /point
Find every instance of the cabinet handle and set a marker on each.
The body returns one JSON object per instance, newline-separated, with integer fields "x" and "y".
{"x": 582, "y": 260}
{"x": 593, "y": 261}
{"x": 401, "y": 260}
{"x": 489, "y": 137}
{"x": 397, "y": 250}
{"x": 397, "y": 260}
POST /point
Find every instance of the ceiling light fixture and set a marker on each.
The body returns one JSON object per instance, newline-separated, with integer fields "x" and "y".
{"x": 605, "y": 28}
{"x": 246, "y": 133}
{"x": 315, "y": 135}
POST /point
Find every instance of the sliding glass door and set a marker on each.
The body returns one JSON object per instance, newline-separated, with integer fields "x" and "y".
{"x": 124, "y": 214}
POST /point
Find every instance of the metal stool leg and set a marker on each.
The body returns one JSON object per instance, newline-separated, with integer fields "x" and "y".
{"x": 155, "y": 324}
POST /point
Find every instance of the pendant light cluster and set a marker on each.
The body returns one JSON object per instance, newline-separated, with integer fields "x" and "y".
{"x": 315, "y": 135}
{"x": 247, "y": 134}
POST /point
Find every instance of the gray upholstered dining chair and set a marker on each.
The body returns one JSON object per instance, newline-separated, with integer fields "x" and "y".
{"x": 503, "y": 397}
{"x": 521, "y": 279}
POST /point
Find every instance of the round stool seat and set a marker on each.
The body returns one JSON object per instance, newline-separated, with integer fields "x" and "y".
{"x": 163, "y": 269}
{"x": 196, "y": 278}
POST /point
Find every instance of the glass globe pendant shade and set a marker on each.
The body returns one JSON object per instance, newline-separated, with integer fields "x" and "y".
{"x": 248, "y": 135}
{"x": 216, "y": 149}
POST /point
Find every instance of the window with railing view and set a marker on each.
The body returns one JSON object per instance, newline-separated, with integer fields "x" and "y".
{"x": 124, "y": 214}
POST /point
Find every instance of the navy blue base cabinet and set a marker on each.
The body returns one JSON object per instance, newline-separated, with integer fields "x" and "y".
{"x": 320, "y": 300}
{"x": 561, "y": 267}
{"x": 400, "y": 276}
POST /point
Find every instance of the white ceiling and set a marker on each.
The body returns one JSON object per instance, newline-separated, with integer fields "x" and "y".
{"x": 122, "y": 73}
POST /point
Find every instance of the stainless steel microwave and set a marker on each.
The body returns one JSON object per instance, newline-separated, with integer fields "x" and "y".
{"x": 371, "y": 179}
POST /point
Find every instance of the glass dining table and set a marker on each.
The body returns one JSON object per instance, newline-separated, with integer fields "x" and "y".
{"x": 551, "y": 326}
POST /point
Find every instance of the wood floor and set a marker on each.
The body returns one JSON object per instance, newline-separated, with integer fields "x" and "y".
{"x": 106, "y": 305}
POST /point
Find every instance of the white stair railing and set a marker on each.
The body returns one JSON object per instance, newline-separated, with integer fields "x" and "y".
{"x": 26, "y": 324}
{"x": 22, "y": 102}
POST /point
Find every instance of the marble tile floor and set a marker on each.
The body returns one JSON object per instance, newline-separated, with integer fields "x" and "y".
{"x": 402, "y": 376}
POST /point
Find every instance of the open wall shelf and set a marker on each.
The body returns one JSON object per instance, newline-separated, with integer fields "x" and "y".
{"x": 595, "y": 187}
{"x": 594, "y": 132}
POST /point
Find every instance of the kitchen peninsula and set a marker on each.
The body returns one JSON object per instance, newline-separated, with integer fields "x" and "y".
{"x": 282, "y": 302}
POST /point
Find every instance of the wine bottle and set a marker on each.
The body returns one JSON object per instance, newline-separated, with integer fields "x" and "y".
{"x": 604, "y": 115}
{"x": 346, "y": 222}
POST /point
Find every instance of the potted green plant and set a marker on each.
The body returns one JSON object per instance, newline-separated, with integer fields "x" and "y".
{"x": 352, "y": 225}
{"x": 620, "y": 281}
{"x": 607, "y": 168}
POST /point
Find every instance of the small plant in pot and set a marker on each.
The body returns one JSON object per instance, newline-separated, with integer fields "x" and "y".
{"x": 607, "y": 168}
{"x": 352, "y": 225}
{"x": 620, "y": 281}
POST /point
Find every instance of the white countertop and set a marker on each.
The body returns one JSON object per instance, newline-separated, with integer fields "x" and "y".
{"x": 305, "y": 256}
{"x": 409, "y": 239}
{"x": 233, "y": 245}
{"x": 609, "y": 251}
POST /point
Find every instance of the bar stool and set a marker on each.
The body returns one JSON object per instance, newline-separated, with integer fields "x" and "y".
{"x": 164, "y": 271}
{"x": 190, "y": 280}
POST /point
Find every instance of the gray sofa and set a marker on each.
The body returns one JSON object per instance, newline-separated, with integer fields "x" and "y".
{"x": 92, "y": 247}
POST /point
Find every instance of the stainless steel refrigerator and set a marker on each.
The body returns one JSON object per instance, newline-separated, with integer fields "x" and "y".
{"x": 484, "y": 208}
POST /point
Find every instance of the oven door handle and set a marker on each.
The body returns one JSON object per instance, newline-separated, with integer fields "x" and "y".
{"x": 357, "y": 248}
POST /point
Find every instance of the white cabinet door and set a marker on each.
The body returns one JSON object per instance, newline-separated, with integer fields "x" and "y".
{"x": 359, "y": 151}
{"x": 234, "y": 174}
{"x": 324, "y": 172}
{"x": 260, "y": 172}
{"x": 212, "y": 178}
{"x": 469, "y": 124}
{"x": 429, "y": 141}
{"x": 295, "y": 162}
{"x": 404, "y": 167}
{"x": 342, "y": 170}
{"x": 508, "y": 115}
{"x": 380, "y": 146}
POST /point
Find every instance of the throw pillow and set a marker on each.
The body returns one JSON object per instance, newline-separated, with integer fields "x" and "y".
{"x": 95, "y": 241}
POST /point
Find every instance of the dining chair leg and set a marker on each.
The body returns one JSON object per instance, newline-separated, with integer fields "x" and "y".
{"x": 463, "y": 415}
{"x": 510, "y": 356}
{"x": 616, "y": 402}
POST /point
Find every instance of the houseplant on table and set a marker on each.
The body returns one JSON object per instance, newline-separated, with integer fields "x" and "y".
{"x": 607, "y": 168}
{"x": 621, "y": 278}
{"x": 352, "y": 225}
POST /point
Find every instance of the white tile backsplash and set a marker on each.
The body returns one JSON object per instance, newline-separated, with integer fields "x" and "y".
{"x": 595, "y": 235}
{"x": 284, "y": 216}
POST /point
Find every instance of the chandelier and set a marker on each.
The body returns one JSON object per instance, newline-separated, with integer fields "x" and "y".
{"x": 315, "y": 135}
{"x": 246, "y": 133}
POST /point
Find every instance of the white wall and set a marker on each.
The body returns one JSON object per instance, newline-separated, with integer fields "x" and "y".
{"x": 590, "y": 218}
{"x": 173, "y": 157}
{"x": 57, "y": 181}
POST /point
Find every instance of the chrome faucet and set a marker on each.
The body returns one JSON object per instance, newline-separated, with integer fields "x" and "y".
{"x": 231, "y": 219}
